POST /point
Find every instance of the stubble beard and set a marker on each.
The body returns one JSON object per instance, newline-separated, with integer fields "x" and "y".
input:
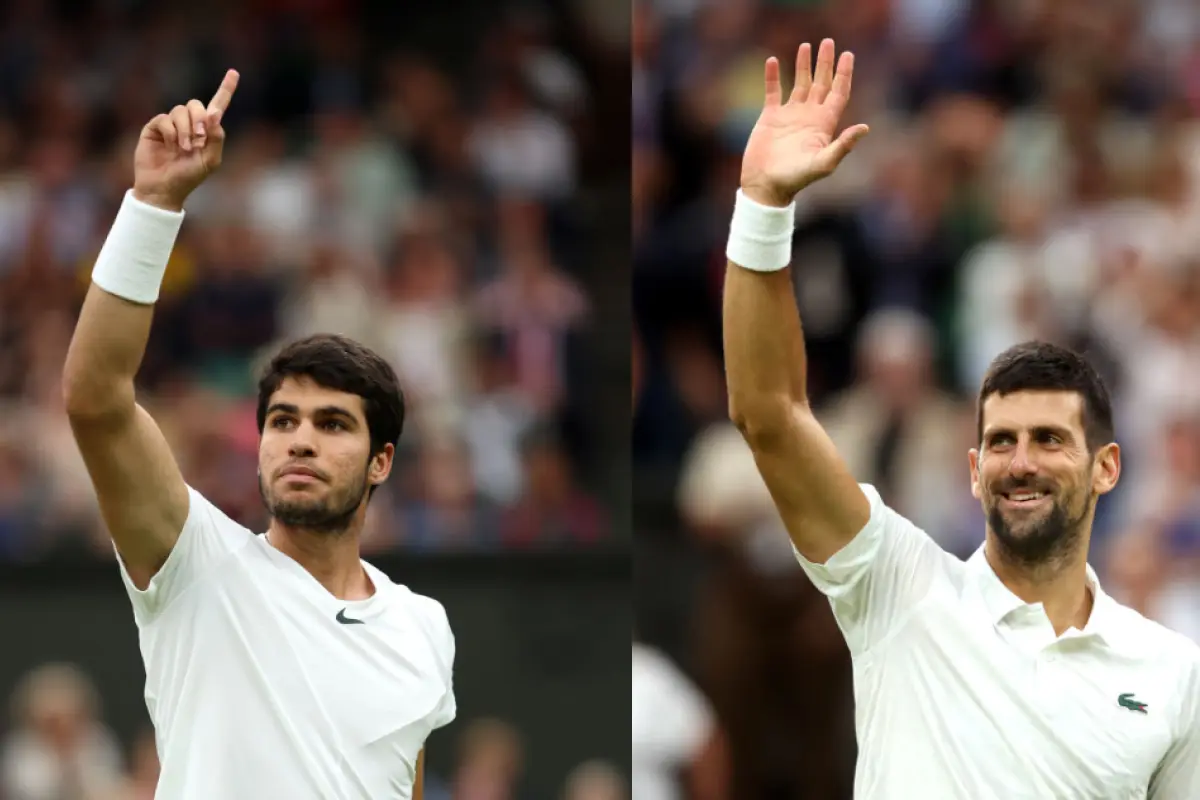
{"x": 330, "y": 516}
{"x": 1038, "y": 544}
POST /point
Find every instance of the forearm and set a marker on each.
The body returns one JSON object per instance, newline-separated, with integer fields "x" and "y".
{"x": 105, "y": 354}
{"x": 764, "y": 344}
{"x": 765, "y": 362}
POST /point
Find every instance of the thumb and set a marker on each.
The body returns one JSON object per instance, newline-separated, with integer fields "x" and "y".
{"x": 829, "y": 158}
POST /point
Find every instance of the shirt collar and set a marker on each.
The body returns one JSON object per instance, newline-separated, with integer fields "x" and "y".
{"x": 1105, "y": 622}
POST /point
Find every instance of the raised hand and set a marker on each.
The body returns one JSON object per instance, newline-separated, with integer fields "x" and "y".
{"x": 792, "y": 143}
{"x": 177, "y": 151}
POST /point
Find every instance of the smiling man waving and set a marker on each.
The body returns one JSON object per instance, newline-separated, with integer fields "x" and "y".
{"x": 1012, "y": 675}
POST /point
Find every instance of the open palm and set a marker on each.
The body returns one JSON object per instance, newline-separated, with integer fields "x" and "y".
{"x": 792, "y": 144}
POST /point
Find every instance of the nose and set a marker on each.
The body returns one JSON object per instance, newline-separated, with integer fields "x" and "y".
{"x": 301, "y": 444}
{"x": 301, "y": 450}
{"x": 1022, "y": 466}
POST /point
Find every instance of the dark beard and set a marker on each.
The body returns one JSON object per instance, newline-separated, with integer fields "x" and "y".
{"x": 330, "y": 518}
{"x": 1050, "y": 542}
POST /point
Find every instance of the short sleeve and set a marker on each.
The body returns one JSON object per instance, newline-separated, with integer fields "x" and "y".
{"x": 207, "y": 537}
{"x": 447, "y": 708}
{"x": 1178, "y": 776}
{"x": 878, "y": 576}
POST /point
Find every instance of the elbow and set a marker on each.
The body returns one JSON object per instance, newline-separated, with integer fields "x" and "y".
{"x": 77, "y": 400}
{"x": 90, "y": 400}
{"x": 73, "y": 395}
{"x": 763, "y": 422}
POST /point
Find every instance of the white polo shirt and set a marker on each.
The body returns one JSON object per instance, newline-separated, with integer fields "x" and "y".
{"x": 257, "y": 691}
{"x": 963, "y": 691}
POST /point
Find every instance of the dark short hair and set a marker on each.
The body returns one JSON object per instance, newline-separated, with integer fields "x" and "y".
{"x": 336, "y": 362}
{"x": 1041, "y": 366}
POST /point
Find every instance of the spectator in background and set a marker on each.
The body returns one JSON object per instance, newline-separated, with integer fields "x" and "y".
{"x": 448, "y": 513}
{"x": 762, "y": 638}
{"x": 498, "y": 418}
{"x": 22, "y": 494}
{"x": 490, "y": 762}
{"x": 899, "y": 432}
{"x": 425, "y": 325}
{"x": 532, "y": 301}
{"x": 141, "y": 780}
{"x": 338, "y": 292}
{"x": 1142, "y": 573}
{"x": 519, "y": 149}
{"x": 673, "y": 732}
{"x": 58, "y": 748}
{"x": 552, "y": 508}
{"x": 595, "y": 780}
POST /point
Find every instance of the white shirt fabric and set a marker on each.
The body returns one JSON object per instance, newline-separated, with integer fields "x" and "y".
{"x": 258, "y": 692}
{"x": 670, "y": 724}
{"x": 963, "y": 691}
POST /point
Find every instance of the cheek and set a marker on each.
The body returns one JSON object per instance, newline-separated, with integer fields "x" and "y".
{"x": 350, "y": 463}
{"x": 267, "y": 453}
{"x": 987, "y": 475}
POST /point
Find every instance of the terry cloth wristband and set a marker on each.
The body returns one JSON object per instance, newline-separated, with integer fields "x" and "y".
{"x": 134, "y": 257}
{"x": 760, "y": 237}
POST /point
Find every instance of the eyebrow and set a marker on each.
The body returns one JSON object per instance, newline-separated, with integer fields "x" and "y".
{"x": 322, "y": 411}
{"x": 1036, "y": 430}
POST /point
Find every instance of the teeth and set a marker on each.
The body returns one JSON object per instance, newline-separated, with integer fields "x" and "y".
{"x": 1023, "y": 497}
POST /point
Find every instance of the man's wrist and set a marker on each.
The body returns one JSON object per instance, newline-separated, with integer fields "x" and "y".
{"x": 767, "y": 197}
{"x": 157, "y": 200}
{"x": 134, "y": 257}
{"x": 760, "y": 234}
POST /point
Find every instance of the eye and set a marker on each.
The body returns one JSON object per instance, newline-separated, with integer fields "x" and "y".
{"x": 1050, "y": 438}
{"x": 281, "y": 422}
{"x": 1001, "y": 440}
{"x": 333, "y": 425}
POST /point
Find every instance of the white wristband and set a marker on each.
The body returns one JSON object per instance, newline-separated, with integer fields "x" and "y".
{"x": 760, "y": 237}
{"x": 134, "y": 257}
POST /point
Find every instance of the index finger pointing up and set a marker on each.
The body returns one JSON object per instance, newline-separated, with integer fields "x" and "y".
{"x": 224, "y": 94}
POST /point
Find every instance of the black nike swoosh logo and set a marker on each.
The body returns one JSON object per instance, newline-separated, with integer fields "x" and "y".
{"x": 342, "y": 618}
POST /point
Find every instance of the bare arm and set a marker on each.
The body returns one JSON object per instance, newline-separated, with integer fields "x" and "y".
{"x": 819, "y": 500}
{"x": 141, "y": 492}
{"x": 142, "y": 495}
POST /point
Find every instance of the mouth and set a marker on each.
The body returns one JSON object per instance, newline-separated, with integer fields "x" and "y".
{"x": 1024, "y": 498}
{"x": 299, "y": 475}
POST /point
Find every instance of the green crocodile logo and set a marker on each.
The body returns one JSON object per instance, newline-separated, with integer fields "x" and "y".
{"x": 1127, "y": 701}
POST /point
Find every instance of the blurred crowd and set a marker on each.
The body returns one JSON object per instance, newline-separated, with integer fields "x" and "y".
{"x": 423, "y": 202}
{"x": 59, "y": 748}
{"x": 1032, "y": 172}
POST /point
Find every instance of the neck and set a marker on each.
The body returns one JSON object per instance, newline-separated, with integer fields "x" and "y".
{"x": 333, "y": 559}
{"x": 1061, "y": 587}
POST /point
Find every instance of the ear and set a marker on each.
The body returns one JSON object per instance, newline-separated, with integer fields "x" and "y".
{"x": 381, "y": 465}
{"x": 973, "y": 461}
{"x": 1106, "y": 468}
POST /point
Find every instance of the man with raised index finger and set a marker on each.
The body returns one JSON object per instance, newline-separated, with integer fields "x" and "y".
{"x": 1012, "y": 675}
{"x": 278, "y": 665}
